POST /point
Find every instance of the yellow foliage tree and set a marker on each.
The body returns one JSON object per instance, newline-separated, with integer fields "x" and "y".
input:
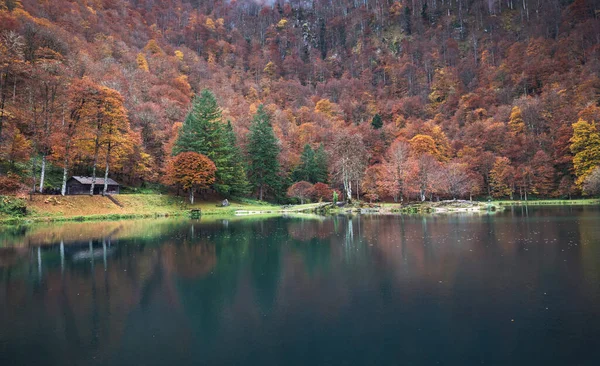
{"x": 153, "y": 47}
{"x": 210, "y": 24}
{"x": 270, "y": 69}
{"x": 282, "y": 23}
{"x": 516, "y": 123}
{"x": 325, "y": 107}
{"x": 502, "y": 178}
{"x": 142, "y": 62}
{"x": 585, "y": 146}
{"x": 425, "y": 144}
{"x": 179, "y": 55}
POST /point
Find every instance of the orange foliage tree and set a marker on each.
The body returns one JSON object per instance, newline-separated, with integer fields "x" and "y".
{"x": 191, "y": 171}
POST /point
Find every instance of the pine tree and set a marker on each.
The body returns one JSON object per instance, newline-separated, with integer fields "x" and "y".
{"x": 239, "y": 180}
{"x": 321, "y": 172}
{"x": 263, "y": 152}
{"x": 377, "y": 122}
{"x": 305, "y": 171}
{"x": 203, "y": 132}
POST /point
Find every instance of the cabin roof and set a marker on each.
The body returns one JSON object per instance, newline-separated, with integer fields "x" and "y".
{"x": 99, "y": 181}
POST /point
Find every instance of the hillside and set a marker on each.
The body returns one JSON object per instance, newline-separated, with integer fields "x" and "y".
{"x": 445, "y": 98}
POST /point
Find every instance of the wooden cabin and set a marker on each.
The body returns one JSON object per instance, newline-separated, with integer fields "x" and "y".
{"x": 81, "y": 185}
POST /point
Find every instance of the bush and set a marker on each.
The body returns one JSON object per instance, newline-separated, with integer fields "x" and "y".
{"x": 9, "y": 184}
{"x": 322, "y": 192}
{"x": 12, "y": 206}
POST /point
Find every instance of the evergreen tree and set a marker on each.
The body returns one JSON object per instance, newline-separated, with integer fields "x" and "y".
{"x": 306, "y": 170}
{"x": 377, "y": 122}
{"x": 203, "y": 132}
{"x": 321, "y": 172}
{"x": 263, "y": 153}
{"x": 239, "y": 181}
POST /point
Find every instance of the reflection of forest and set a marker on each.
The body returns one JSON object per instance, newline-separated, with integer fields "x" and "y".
{"x": 94, "y": 294}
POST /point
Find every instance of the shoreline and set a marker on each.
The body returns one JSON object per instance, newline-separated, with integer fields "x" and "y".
{"x": 64, "y": 209}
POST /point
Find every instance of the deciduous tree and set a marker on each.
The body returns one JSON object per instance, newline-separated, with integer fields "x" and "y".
{"x": 502, "y": 178}
{"x": 591, "y": 185}
{"x": 585, "y": 146}
{"x": 349, "y": 160}
{"x": 301, "y": 190}
{"x": 191, "y": 171}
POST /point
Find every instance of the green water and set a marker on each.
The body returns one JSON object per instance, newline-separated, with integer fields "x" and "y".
{"x": 521, "y": 287}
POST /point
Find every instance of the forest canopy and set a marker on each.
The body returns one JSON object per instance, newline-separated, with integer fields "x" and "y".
{"x": 436, "y": 98}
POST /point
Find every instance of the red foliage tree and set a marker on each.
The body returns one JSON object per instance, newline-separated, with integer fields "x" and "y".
{"x": 301, "y": 190}
{"x": 322, "y": 192}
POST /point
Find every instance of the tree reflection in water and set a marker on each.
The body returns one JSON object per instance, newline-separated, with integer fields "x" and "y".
{"x": 272, "y": 289}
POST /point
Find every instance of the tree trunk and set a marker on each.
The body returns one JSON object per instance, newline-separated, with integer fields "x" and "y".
{"x": 260, "y": 193}
{"x": 348, "y": 189}
{"x": 43, "y": 174}
{"x": 94, "y": 168}
{"x": 105, "y": 188}
{"x": 33, "y": 175}
{"x": 192, "y": 195}
{"x": 63, "y": 189}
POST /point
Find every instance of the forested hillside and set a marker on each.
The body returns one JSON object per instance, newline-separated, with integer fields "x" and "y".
{"x": 409, "y": 99}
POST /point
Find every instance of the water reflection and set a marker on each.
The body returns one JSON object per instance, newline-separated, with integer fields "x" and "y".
{"x": 298, "y": 290}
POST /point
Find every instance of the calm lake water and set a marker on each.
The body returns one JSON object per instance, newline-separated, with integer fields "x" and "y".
{"x": 521, "y": 287}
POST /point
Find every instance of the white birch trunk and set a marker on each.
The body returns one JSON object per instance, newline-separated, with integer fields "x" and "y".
{"x": 43, "y": 174}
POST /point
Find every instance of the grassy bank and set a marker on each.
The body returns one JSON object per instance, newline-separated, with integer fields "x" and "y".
{"x": 128, "y": 206}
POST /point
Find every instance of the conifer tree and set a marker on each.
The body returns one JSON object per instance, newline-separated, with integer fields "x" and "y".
{"x": 321, "y": 172}
{"x": 263, "y": 153}
{"x": 377, "y": 122}
{"x": 306, "y": 169}
{"x": 203, "y": 132}
{"x": 239, "y": 180}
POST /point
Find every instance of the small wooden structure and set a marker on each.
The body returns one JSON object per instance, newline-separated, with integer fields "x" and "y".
{"x": 81, "y": 185}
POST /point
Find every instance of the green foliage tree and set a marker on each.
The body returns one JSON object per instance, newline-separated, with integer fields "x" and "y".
{"x": 306, "y": 170}
{"x": 203, "y": 132}
{"x": 239, "y": 180}
{"x": 263, "y": 151}
{"x": 321, "y": 171}
{"x": 313, "y": 165}
{"x": 377, "y": 122}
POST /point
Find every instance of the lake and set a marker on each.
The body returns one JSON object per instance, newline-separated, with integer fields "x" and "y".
{"x": 519, "y": 287}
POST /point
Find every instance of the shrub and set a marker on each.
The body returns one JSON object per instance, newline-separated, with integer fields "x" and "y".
{"x": 322, "y": 192}
{"x": 12, "y": 206}
{"x": 9, "y": 184}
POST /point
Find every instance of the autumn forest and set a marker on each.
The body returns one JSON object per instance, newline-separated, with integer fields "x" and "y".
{"x": 291, "y": 101}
